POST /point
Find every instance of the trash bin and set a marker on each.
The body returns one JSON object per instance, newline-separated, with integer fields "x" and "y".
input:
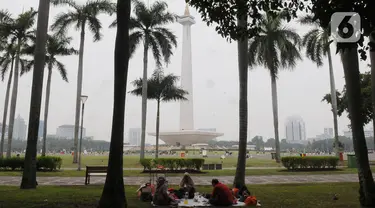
{"x": 273, "y": 155}
{"x": 352, "y": 163}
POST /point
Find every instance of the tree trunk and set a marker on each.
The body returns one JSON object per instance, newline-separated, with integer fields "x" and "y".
{"x": 349, "y": 58}
{"x": 157, "y": 129}
{"x": 113, "y": 194}
{"x": 79, "y": 91}
{"x": 275, "y": 117}
{"x": 46, "y": 107}
{"x": 29, "y": 171}
{"x": 13, "y": 101}
{"x": 334, "y": 101}
{"x": 144, "y": 98}
{"x": 6, "y": 106}
{"x": 239, "y": 179}
{"x": 372, "y": 59}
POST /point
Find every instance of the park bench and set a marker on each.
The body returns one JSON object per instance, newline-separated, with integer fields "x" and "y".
{"x": 95, "y": 171}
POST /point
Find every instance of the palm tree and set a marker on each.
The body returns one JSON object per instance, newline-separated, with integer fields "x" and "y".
{"x": 82, "y": 17}
{"x": 155, "y": 36}
{"x": 19, "y": 32}
{"x": 56, "y": 46}
{"x": 276, "y": 46}
{"x": 317, "y": 42}
{"x": 161, "y": 88}
{"x": 242, "y": 21}
{"x": 29, "y": 171}
{"x": 113, "y": 194}
{"x": 7, "y": 64}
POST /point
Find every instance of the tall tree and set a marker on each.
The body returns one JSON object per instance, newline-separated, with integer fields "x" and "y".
{"x": 155, "y": 37}
{"x": 317, "y": 43}
{"x": 82, "y": 17}
{"x": 275, "y": 47}
{"x": 238, "y": 20}
{"x": 18, "y": 31}
{"x": 113, "y": 194}
{"x": 56, "y": 46}
{"x": 322, "y": 11}
{"x": 7, "y": 65}
{"x": 162, "y": 88}
{"x": 29, "y": 171}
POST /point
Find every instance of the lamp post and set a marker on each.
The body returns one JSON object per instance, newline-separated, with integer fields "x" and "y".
{"x": 83, "y": 99}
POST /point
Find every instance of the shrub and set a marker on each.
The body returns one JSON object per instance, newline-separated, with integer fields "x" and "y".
{"x": 310, "y": 162}
{"x": 172, "y": 163}
{"x": 47, "y": 163}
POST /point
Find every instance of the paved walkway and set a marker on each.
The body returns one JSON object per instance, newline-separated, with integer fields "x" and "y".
{"x": 199, "y": 180}
{"x": 228, "y": 168}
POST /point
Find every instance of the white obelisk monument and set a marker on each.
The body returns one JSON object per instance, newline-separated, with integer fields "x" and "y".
{"x": 186, "y": 107}
{"x": 187, "y": 135}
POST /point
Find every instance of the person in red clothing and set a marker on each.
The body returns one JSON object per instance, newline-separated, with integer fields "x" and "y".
{"x": 221, "y": 194}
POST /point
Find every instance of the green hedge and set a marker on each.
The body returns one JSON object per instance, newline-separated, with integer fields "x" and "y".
{"x": 173, "y": 163}
{"x": 310, "y": 162}
{"x": 46, "y": 163}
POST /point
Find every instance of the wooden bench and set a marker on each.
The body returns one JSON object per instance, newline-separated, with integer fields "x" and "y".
{"x": 95, "y": 171}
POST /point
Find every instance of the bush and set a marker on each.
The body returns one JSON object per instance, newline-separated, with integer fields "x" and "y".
{"x": 172, "y": 163}
{"x": 46, "y": 163}
{"x": 310, "y": 162}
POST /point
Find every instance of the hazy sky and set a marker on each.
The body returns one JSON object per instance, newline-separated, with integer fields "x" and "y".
{"x": 215, "y": 76}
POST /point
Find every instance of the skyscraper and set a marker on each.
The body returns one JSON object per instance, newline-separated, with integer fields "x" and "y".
{"x": 19, "y": 129}
{"x": 135, "y": 136}
{"x": 295, "y": 129}
{"x": 328, "y": 132}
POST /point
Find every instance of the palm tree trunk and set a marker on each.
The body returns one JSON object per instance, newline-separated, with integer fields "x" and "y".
{"x": 79, "y": 91}
{"x": 144, "y": 98}
{"x": 13, "y": 101}
{"x": 157, "y": 129}
{"x": 239, "y": 179}
{"x": 29, "y": 171}
{"x": 372, "y": 59}
{"x": 334, "y": 100}
{"x": 6, "y": 105}
{"x": 349, "y": 58}
{"x": 113, "y": 194}
{"x": 275, "y": 110}
{"x": 46, "y": 107}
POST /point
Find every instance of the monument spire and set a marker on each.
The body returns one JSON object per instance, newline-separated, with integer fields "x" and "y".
{"x": 187, "y": 13}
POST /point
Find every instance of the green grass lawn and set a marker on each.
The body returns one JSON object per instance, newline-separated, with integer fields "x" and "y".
{"x": 251, "y": 172}
{"x": 271, "y": 196}
{"x": 133, "y": 161}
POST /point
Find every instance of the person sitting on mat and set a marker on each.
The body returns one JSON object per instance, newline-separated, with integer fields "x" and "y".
{"x": 161, "y": 196}
{"x": 187, "y": 185}
{"x": 221, "y": 194}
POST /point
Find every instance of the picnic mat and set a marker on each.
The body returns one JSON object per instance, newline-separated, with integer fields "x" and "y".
{"x": 203, "y": 203}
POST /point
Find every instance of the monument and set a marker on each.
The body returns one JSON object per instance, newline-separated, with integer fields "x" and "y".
{"x": 187, "y": 134}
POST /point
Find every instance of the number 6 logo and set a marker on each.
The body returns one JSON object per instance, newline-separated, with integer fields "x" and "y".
{"x": 346, "y": 27}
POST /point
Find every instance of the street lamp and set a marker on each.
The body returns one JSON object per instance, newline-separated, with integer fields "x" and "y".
{"x": 83, "y": 99}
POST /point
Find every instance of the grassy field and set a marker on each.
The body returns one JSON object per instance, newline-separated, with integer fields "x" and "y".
{"x": 249, "y": 172}
{"x": 133, "y": 161}
{"x": 271, "y": 196}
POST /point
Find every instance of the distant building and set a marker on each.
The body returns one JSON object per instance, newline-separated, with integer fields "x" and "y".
{"x": 135, "y": 136}
{"x": 19, "y": 128}
{"x": 368, "y": 134}
{"x": 67, "y": 132}
{"x": 295, "y": 129}
{"x": 328, "y": 132}
{"x": 41, "y": 129}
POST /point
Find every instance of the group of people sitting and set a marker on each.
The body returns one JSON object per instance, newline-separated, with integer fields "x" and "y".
{"x": 221, "y": 194}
